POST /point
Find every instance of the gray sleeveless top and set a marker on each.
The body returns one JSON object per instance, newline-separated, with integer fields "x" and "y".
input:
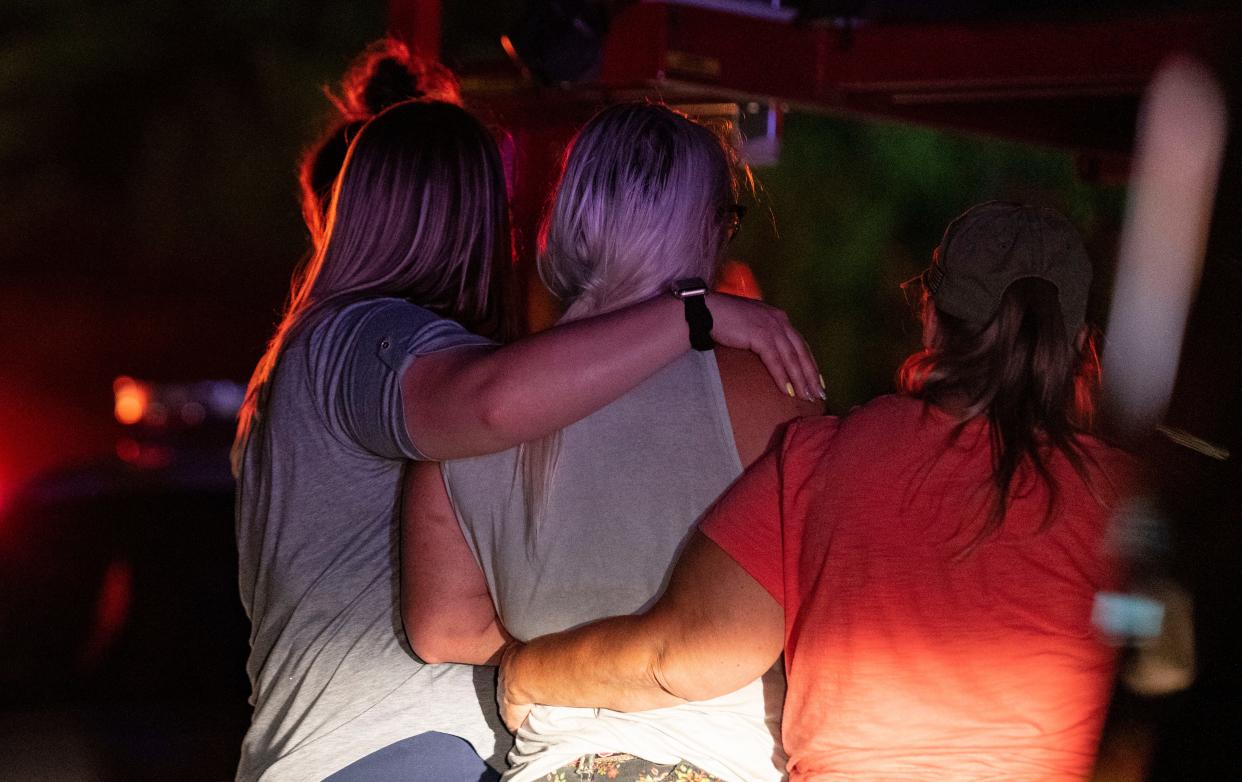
{"x": 632, "y": 481}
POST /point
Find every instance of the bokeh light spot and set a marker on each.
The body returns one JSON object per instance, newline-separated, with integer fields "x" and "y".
{"x": 130, "y": 400}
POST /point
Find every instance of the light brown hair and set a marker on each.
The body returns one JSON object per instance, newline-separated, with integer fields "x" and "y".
{"x": 419, "y": 211}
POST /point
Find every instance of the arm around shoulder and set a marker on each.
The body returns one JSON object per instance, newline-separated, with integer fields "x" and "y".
{"x": 468, "y": 402}
{"x": 757, "y": 410}
{"x": 714, "y": 630}
{"x": 461, "y": 403}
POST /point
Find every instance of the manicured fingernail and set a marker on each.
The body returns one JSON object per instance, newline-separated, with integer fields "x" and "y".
{"x": 823, "y": 386}
{"x": 789, "y": 389}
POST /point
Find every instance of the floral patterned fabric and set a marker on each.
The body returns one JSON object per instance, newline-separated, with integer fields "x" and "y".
{"x": 620, "y": 767}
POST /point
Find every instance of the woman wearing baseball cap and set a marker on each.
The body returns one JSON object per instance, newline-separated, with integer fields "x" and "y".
{"x": 927, "y": 563}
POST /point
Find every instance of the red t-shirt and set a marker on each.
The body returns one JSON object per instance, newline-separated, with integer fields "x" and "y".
{"x": 905, "y": 659}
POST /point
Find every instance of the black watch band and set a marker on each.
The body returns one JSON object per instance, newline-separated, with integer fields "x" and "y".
{"x": 693, "y": 294}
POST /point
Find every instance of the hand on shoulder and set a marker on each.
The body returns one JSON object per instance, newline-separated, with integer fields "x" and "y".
{"x": 757, "y": 409}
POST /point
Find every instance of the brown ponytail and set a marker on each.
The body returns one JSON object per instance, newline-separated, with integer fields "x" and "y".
{"x": 1036, "y": 388}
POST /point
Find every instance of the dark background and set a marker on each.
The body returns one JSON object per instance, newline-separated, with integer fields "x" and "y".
{"x": 149, "y": 221}
{"x": 148, "y": 228}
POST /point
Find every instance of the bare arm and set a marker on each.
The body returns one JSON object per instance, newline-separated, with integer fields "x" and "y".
{"x": 757, "y": 412}
{"x": 714, "y": 630}
{"x": 447, "y": 611}
{"x": 471, "y": 401}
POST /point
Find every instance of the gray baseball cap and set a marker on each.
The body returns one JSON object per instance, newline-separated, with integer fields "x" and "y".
{"x": 992, "y": 245}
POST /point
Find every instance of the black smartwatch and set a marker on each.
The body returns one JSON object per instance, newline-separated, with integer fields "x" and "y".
{"x": 693, "y": 293}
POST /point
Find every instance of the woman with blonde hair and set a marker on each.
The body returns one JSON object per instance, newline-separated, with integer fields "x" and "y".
{"x": 374, "y": 364}
{"x": 587, "y": 522}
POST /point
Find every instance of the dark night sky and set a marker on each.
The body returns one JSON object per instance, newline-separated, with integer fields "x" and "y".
{"x": 148, "y": 227}
{"x": 149, "y": 223}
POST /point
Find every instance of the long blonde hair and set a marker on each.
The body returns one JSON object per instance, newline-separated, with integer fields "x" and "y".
{"x": 644, "y": 200}
{"x": 419, "y": 211}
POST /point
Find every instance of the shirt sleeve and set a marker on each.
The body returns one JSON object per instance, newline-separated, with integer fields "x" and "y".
{"x": 357, "y": 357}
{"x": 746, "y": 523}
{"x": 756, "y": 521}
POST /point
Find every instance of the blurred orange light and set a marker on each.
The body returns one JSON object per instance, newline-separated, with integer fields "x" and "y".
{"x": 130, "y": 400}
{"x": 507, "y": 44}
{"x": 737, "y": 279}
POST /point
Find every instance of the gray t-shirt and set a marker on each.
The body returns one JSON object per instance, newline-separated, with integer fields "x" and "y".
{"x": 333, "y": 678}
{"x": 631, "y": 481}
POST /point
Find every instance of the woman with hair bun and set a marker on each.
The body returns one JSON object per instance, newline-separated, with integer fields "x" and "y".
{"x": 927, "y": 563}
{"x": 382, "y": 357}
{"x": 384, "y": 74}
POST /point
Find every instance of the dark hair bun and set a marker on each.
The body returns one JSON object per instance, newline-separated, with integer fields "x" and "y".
{"x": 387, "y": 73}
{"x": 391, "y": 82}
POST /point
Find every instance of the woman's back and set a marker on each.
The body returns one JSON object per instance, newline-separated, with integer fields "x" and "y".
{"x": 908, "y": 659}
{"x": 631, "y": 482}
{"x": 331, "y": 677}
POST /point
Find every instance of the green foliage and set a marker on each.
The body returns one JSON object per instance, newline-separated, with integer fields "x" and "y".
{"x": 857, "y": 207}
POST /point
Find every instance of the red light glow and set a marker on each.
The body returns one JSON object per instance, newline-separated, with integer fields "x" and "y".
{"x": 112, "y": 606}
{"x": 507, "y": 44}
{"x": 737, "y": 279}
{"x": 130, "y": 400}
{"x": 128, "y": 450}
